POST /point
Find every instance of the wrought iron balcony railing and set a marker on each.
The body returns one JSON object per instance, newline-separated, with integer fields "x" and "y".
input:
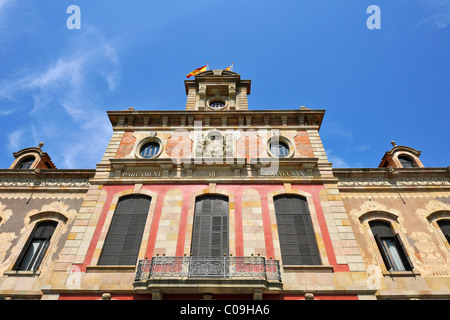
{"x": 208, "y": 268}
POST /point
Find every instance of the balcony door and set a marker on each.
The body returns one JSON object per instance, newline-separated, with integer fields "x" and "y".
{"x": 210, "y": 231}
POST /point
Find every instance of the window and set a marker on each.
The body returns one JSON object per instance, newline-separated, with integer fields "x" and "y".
{"x": 124, "y": 237}
{"x": 36, "y": 247}
{"x": 217, "y": 104}
{"x": 210, "y": 231}
{"x": 390, "y": 246}
{"x": 406, "y": 162}
{"x": 150, "y": 150}
{"x": 26, "y": 163}
{"x": 279, "y": 149}
{"x": 295, "y": 230}
{"x": 445, "y": 228}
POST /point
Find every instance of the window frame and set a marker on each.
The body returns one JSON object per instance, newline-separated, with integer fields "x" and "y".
{"x": 112, "y": 224}
{"x": 385, "y": 253}
{"x": 43, "y": 246}
{"x": 404, "y": 158}
{"x": 152, "y": 139}
{"x": 280, "y": 139}
{"x": 195, "y": 248}
{"x": 30, "y": 159}
{"x": 446, "y": 236}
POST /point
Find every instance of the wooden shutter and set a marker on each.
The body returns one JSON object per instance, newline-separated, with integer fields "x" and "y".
{"x": 384, "y": 254}
{"x": 403, "y": 253}
{"x": 210, "y": 230}
{"x": 296, "y": 232}
{"x": 124, "y": 237}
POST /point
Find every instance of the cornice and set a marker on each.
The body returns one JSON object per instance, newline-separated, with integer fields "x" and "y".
{"x": 362, "y": 179}
{"x": 150, "y": 120}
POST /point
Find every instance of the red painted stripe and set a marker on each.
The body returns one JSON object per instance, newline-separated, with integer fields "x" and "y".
{"x": 155, "y": 224}
{"x": 239, "y": 236}
{"x": 270, "y": 252}
{"x": 324, "y": 230}
{"x": 181, "y": 240}
{"x": 111, "y": 191}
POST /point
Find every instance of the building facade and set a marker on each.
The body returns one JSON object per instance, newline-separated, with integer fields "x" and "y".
{"x": 218, "y": 201}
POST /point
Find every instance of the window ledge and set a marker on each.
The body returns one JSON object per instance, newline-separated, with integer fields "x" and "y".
{"x": 15, "y": 273}
{"x": 412, "y": 273}
{"x": 308, "y": 268}
{"x": 106, "y": 269}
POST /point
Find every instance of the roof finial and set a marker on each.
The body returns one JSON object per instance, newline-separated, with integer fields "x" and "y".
{"x": 393, "y": 143}
{"x": 41, "y": 144}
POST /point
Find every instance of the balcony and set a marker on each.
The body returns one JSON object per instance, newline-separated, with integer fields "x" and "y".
{"x": 208, "y": 274}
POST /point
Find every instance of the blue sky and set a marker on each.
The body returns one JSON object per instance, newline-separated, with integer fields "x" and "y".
{"x": 376, "y": 86}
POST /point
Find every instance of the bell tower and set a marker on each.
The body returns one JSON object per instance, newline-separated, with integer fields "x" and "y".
{"x": 217, "y": 90}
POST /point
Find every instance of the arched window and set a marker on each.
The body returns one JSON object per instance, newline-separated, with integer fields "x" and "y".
{"x": 391, "y": 247}
{"x": 296, "y": 233}
{"x": 124, "y": 237}
{"x": 26, "y": 163}
{"x": 445, "y": 228}
{"x": 31, "y": 257}
{"x": 210, "y": 231}
{"x": 406, "y": 161}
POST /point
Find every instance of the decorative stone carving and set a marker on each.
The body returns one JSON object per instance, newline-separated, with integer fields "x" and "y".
{"x": 429, "y": 260}
{"x": 213, "y": 145}
{"x": 5, "y": 214}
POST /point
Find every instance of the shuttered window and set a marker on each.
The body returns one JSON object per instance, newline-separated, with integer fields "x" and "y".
{"x": 295, "y": 231}
{"x": 210, "y": 232}
{"x": 125, "y": 233}
{"x": 391, "y": 247}
{"x": 36, "y": 247}
{"x": 445, "y": 228}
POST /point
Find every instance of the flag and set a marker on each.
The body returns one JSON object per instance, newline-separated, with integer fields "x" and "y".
{"x": 197, "y": 71}
{"x": 230, "y": 68}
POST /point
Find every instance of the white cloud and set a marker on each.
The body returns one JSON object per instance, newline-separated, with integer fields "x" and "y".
{"x": 362, "y": 148}
{"x": 15, "y": 140}
{"x": 66, "y": 94}
{"x": 6, "y": 112}
{"x": 337, "y": 161}
{"x": 336, "y": 130}
{"x": 440, "y": 13}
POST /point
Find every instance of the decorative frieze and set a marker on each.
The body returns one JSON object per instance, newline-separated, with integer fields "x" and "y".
{"x": 394, "y": 182}
{"x": 44, "y": 183}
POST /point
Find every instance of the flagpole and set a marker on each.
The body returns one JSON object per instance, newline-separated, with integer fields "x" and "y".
{"x": 207, "y": 66}
{"x": 232, "y": 65}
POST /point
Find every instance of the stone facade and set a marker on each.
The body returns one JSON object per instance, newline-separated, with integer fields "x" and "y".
{"x": 217, "y": 146}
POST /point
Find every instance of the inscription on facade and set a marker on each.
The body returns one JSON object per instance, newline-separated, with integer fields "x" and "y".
{"x": 142, "y": 174}
{"x": 287, "y": 173}
{"x": 211, "y": 174}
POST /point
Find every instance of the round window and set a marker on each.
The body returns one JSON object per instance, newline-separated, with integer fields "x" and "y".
{"x": 217, "y": 104}
{"x": 279, "y": 149}
{"x": 149, "y": 150}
